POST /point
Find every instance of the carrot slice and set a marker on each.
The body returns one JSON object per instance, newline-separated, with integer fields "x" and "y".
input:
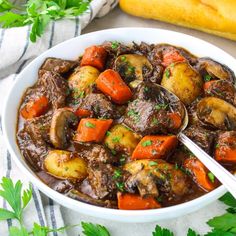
{"x": 176, "y": 120}
{"x": 207, "y": 85}
{"x": 226, "y": 148}
{"x": 94, "y": 56}
{"x": 110, "y": 83}
{"x": 127, "y": 201}
{"x": 82, "y": 112}
{"x": 35, "y": 108}
{"x": 200, "y": 174}
{"x": 171, "y": 57}
{"x": 153, "y": 147}
{"x": 92, "y": 130}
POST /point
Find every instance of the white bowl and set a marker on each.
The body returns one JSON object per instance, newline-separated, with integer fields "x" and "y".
{"x": 71, "y": 49}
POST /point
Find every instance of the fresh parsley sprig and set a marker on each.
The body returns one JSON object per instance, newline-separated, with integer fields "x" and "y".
{"x": 38, "y": 13}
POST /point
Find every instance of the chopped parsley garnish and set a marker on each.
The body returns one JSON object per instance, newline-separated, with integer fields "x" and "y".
{"x": 120, "y": 186}
{"x": 167, "y": 73}
{"x": 117, "y": 174}
{"x": 131, "y": 69}
{"x": 211, "y": 177}
{"x": 152, "y": 163}
{"x": 147, "y": 143}
{"x": 123, "y": 58}
{"x": 161, "y": 106}
{"x": 114, "y": 45}
{"x": 207, "y": 78}
{"x": 116, "y": 139}
{"x": 113, "y": 152}
{"x": 108, "y": 133}
{"x": 146, "y": 89}
{"x": 155, "y": 121}
{"x": 90, "y": 125}
{"x": 134, "y": 115}
{"x": 122, "y": 160}
{"x": 217, "y": 145}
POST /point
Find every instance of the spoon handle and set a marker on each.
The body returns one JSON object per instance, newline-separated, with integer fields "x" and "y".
{"x": 224, "y": 176}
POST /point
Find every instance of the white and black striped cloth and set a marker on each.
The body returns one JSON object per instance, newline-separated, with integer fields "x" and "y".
{"x": 16, "y": 51}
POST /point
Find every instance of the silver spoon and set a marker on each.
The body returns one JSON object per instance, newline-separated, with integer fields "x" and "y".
{"x": 223, "y": 175}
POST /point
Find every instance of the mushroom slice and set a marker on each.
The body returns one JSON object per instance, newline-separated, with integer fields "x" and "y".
{"x": 133, "y": 67}
{"x": 145, "y": 183}
{"x": 168, "y": 179}
{"x": 215, "y": 69}
{"x": 217, "y": 113}
{"x": 59, "y": 130}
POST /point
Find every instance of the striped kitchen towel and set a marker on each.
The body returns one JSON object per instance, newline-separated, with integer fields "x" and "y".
{"x": 16, "y": 51}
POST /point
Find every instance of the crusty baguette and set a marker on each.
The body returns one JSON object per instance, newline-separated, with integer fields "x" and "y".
{"x": 212, "y": 16}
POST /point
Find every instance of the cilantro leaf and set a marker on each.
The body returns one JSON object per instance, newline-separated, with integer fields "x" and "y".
{"x": 15, "y": 231}
{"x": 228, "y": 199}
{"x": 162, "y": 232}
{"x": 94, "y": 230}
{"x": 192, "y": 233}
{"x": 26, "y": 197}
{"x": 226, "y": 222}
{"x": 11, "y": 19}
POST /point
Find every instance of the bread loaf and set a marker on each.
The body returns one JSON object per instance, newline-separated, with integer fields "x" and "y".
{"x": 212, "y": 16}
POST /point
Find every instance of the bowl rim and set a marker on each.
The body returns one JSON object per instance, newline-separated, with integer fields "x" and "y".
{"x": 86, "y": 207}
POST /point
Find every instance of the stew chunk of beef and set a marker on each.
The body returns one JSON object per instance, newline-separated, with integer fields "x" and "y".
{"x": 58, "y": 65}
{"x": 202, "y": 137}
{"x": 148, "y": 112}
{"x": 33, "y": 138}
{"x": 100, "y": 106}
{"x": 54, "y": 86}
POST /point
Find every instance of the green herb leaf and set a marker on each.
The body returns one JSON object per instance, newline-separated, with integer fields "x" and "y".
{"x": 152, "y": 163}
{"x": 192, "y": 233}
{"x": 120, "y": 186}
{"x": 90, "y": 229}
{"x": 207, "y": 78}
{"x": 90, "y": 125}
{"x": 219, "y": 233}
{"x": 114, "y": 45}
{"x": 5, "y": 214}
{"x": 211, "y": 177}
{"x": 167, "y": 73}
{"x": 226, "y": 222}
{"x": 5, "y": 5}
{"x": 117, "y": 174}
{"x": 27, "y": 195}
{"x": 15, "y": 231}
{"x": 228, "y": 199}
{"x": 147, "y": 143}
{"x": 162, "y": 232}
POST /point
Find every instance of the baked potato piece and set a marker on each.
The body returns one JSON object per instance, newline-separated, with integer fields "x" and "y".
{"x": 184, "y": 81}
{"x": 133, "y": 68}
{"x": 65, "y": 165}
{"x": 217, "y": 113}
{"x": 81, "y": 81}
{"x": 121, "y": 138}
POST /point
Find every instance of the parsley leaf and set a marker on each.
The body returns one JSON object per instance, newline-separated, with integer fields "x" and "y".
{"x": 15, "y": 231}
{"x": 228, "y": 199}
{"x": 162, "y": 232}
{"x": 192, "y": 233}
{"x": 90, "y": 229}
{"x": 90, "y": 125}
{"x": 226, "y": 222}
{"x": 147, "y": 143}
{"x": 38, "y": 13}
{"x": 219, "y": 233}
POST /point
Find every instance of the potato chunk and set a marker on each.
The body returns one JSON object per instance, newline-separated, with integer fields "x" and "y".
{"x": 121, "y": 138}
{"x": 82, "y": 80}
{"x": 185, "y": 82}
{"x": 65, "y": 165}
